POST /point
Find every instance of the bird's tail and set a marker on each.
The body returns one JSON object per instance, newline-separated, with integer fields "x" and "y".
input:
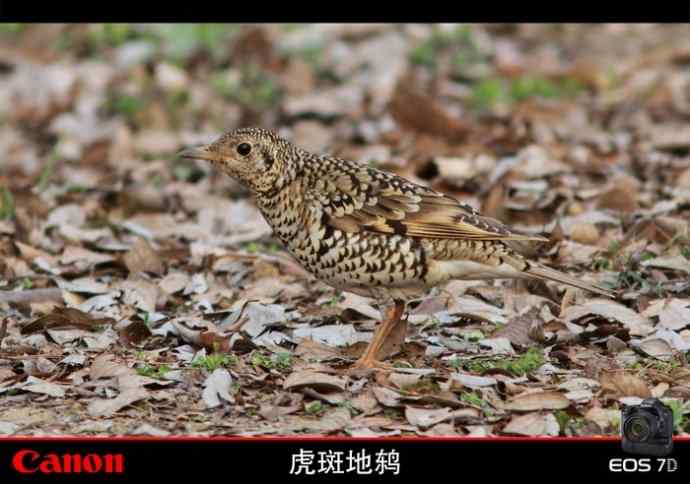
{"x": 543, "y": 272}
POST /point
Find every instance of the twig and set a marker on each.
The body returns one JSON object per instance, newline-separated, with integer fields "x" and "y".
{"x": 31, "y": 295}
{"x": 3, "y": 329}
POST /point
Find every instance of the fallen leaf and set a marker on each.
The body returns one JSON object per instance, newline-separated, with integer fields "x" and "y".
{"x": 66, "y": 318}
{"x": 474, "y": 308}
{"x": 472, "y": 381}
{"x": 676, "y": 263}
{"x": 319, "y": 381}
{"x": 142, "y": 258}
{"x": 638, "y": 324}
{"x": 622, "y": 383}
{"x": 533, "y": 424}
{"x": 548, "y": 400}
{"x": 518, "y": 327}
{"x": 108, "y": 407}
{"x": 36, "y": 385}
{"x": 656, "y": 347}
{"x": 217, "y": 387}
{"x": 424, "y": 418}
{"x": 417, "y": 111}
{"x": 603, "y": 417}
{"x": 174, "y": 282}
{"x": 387, "y": 397}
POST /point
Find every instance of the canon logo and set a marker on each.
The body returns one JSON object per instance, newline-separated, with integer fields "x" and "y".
{"x": 28, "y": 461}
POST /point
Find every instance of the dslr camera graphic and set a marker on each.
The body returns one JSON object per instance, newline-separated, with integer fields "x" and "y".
{"x": 648, "y": 428}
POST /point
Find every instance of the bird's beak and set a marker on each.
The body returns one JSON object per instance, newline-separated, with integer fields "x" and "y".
{"x": 197, "y": 153}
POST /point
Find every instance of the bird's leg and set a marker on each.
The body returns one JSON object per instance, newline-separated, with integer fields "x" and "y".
{"x": 391, "y": 319}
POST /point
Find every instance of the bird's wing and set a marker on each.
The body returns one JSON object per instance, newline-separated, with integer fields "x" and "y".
{"x": 366, "y": 199}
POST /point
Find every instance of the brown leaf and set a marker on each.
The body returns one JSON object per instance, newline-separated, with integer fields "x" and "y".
{"x": 622, "y": 196}
{"x": 603, "y": 417}
{"x": 309, "y": 349}
{"x": 424, "y": 418}
{"x": 417, "y": 111}
{"x": 638, "y": 325}
{"x": 676, "y": 263}
{"x": 313, "y": 379}
{"x": 533, "y": 424}
{"x": 105, "y": 366}
{"x": 135, "y": 332}
{"x": 538, "y": 401}
{"x": 142, "y": 258}
{"x": 214, "y": 342}
{"x": 387, "y": 397}
{"x": 517, "y": 331}
{"x": 624, "y": 384}
{"x": 585, "y": 233}
{"x": 108, "y": 407}
{"x": 66, "y": 318}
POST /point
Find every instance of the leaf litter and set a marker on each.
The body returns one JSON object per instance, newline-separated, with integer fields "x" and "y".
{"x": 140, "y": 294}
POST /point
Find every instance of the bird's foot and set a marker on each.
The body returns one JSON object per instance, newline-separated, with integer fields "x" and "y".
{"x": 365, "y": 366}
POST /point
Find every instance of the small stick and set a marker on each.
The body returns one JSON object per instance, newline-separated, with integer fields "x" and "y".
{"x": 31, "y": 295}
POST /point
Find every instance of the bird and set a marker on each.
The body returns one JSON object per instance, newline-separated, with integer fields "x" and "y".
{"x": 373, "y": 233}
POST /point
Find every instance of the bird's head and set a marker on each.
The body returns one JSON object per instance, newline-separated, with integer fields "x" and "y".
{"x": 255, "y": 157}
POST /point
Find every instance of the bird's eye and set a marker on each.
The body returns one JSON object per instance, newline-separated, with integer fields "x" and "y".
{"x": 244, "y": 148}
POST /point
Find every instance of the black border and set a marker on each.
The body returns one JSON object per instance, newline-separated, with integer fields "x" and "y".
{"x": 242, "y": 11}
{"x": 268, "y": 459}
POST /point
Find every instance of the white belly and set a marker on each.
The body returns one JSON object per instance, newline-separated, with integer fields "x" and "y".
{"x": 445, "y": 270}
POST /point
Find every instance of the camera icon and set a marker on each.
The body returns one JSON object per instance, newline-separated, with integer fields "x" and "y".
{"x": 647, "y": 428}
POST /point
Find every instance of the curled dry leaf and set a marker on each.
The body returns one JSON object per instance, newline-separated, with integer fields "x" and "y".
{"x": 519, "y": 329}
{"x": 425, "y": 418}
{"x": 217, "y": 387}
{"x": 319, "y": 381}
{"x": 603, "y": 417}
{"x": 401, "y": 380}
{"x": 473, "y": 381}
{"x": 135, "y": 332}
{"x": 419, "y": 112}
{"x": 139, "y": 293}
{"x": 36, "y": 385}
{"x": 142, "y": 258}
{"x": 656, "y": 347}
{"x": 638, "y": 324}
{"x": 66, "y": 318}
{"x": 533, "y": 424}
{"x": 108, "y": 407}
{"x": 174, "y": 282}
{"x": 105, "y": 366}
{"x": 527, "y": 402}
{"x": 387, "y": 397}
{"x": 474, "y": 308}
{"x": 676, "y": 263}
{"x": 309, "y": 349}
{"x": 675, "y": 314}
{"x": 366, "y": 403}
{"x": 585, "y": 233}
{"x": 622, "y": 383}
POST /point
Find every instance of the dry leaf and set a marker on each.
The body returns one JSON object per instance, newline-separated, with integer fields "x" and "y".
{"x": 424, "y": 418}
{"x": 624, "y": 384}
{"x": 108, "y": 407}
{"x": 639, "y": 325}
{"x": 217, "y": 387}
{"x": 66, "y": 318}
{"x": 538, "y": 401}
{"x": 142, "y": 258}
{"x": 533, "y": 424}
{"x": 318, "y": 381}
